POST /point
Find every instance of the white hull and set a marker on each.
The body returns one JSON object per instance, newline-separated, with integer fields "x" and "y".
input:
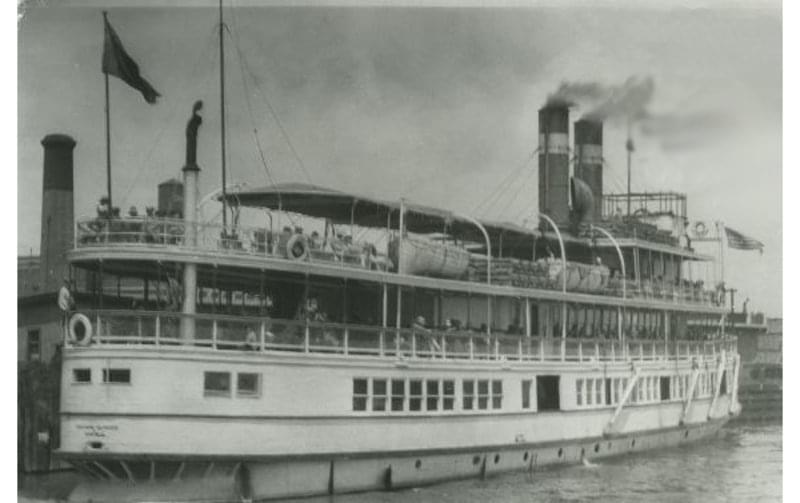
{"x": 160, "y": 439}
{"x": 220, "y": 479}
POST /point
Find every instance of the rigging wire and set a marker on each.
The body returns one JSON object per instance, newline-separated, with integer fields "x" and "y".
{"x": 490, "y": 200}
{"x": 271, "y": 109}
{"x": 167, "y": 123}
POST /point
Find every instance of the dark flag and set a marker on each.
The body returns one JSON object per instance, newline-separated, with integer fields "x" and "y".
{"x": 117, "y": 62}
{"x": 739, "y": 241}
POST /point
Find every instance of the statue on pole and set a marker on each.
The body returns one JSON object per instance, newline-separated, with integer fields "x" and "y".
{"x": 191, "y": 135}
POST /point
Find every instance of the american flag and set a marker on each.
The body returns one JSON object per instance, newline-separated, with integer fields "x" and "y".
{"x": 739, "y": 241}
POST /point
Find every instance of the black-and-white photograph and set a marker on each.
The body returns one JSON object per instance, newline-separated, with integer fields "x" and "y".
{"x": 359, "y": 251}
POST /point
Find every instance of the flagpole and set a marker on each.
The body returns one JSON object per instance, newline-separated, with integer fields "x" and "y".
{"x": 108, "y": 132}
{"x": 222, "y": 113}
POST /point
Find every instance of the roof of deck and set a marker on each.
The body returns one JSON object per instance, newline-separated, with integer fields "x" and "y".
{"x": 367, "y": 211}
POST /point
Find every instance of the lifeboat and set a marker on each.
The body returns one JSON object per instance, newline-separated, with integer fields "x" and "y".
{"x": 429, "y": 258}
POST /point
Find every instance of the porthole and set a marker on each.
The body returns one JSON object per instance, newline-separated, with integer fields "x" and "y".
{"x": 496, "y": 458}
{"x": 560, "y": 452}
{"x": 476, "y": 460}
{"x": 525, "y": 457}
{"x": 596, "y": 447}
{"x": 418, "y": 464}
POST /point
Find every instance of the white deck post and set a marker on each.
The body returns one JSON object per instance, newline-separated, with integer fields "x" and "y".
{"x": 737, "y": 362}
{"x": 690, "y": 393}
{"x": 717, "y": 384}
{"x": 623, "y": 400}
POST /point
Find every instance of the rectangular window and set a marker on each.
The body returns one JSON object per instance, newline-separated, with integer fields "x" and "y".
{"x": 616, "y": 386}
{"x": 248, "y": 384}
{"x": 641, "y": 385}
{"x": 598, "y": 390}
{"x": 526, "y": 394}
{"x": 34, "y": 345}
{"x": 635, "y": 393}
{"x": 497, "y": 394}
{"x": 432, "y": 398}
{"x": 579, "y": 391}
{"x": 547, "y": 393}
{"x": 415, "y": 395}
{"x": 117, "y": 376}
{"x": 589, "y": 391}
{"x": 449, "y": 392}
{"x": 398, "y": 394}
{"x": 379, "y": 394}
{"x": 609, "y": 391}
{"x": 360, "y": 394}
{"x": 468, "y": 388}
{"x": 81, "y": 375}
{"x": 217, "y": 383}
{"x": 483, "y": 394}
{"x": 665, "y": 391}
{"x": 723, "y": 385}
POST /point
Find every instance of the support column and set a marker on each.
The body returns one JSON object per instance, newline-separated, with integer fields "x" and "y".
{"x": 189, "y": 308}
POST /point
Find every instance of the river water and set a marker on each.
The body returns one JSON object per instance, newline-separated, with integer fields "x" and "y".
{"x": 743, "y": 465}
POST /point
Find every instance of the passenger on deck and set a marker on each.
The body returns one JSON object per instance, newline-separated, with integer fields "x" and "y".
{"x": 283, "y": 239}
{"x": 133, "y": 212}
{"x": 251, "y": 340}
{"x": 316, "y": 241}
{"x": 419, "y": 328}
{"x": 102, "y": 208}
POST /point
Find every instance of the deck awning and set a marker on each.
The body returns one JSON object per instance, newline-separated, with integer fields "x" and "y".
{"x": 365, "y": 211}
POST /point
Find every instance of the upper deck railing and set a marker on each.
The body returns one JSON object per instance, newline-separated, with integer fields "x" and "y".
{"x": 255, "y": 334}
{"x": 247, "y": 241}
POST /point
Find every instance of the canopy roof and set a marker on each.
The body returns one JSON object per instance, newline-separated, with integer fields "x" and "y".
{"x": 344, "y": 208}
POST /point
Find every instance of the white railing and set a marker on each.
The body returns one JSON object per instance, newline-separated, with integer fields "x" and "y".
{"x": 229, "y": 333}
{"x": 164, "y": 233}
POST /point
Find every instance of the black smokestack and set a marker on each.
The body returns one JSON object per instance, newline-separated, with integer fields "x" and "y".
{"x": 57, "y": 210}
{"x": 554, "y": 161}
{"x": 589, "y": 162}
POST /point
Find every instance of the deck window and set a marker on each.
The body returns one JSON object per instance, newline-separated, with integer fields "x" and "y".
{"x": 117, "y": 376}
{"x": 723, "y": 385}
{"x": 579, "y": 391}
{"x": 449, "y": 392}
{"x": 468, "y": 395}
{"x": 415, "y": 395}
{"x": 432, "y": 398}
{"x": 81, "y": 375}
{"x": 609, "y": 391}
{"x": 598, "y": 390}
{"x": 483, "y": 394}
{"x": 217, "y": 383}
{"x": 547, "y": 393}
{"x": 497, "y": 394}
{"x": 665, "y": 391}
{"x": 616, "y": 385}
{"x": 248, "y": 384}
{"x": 526, "y": 393}
{"x": 589, "y": 391}
{"x": 360, "y": 394}
{"x": 379, "y": 394}
{"x": 398, "y": 394}
{"x": 34, "y": 345}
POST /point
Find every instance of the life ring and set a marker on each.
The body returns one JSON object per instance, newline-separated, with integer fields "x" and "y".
{"x": 80, "y": 329}
{"x": 297, "y": 247}
{"x": 700, "y": 229}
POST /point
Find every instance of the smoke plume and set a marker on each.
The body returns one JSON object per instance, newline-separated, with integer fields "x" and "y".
{"x": 628, "y": 100}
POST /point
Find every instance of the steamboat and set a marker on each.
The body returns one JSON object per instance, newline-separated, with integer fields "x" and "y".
{"x": 348, "y": 343}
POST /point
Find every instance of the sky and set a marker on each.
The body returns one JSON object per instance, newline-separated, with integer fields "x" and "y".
{"x": 438, "y": 105}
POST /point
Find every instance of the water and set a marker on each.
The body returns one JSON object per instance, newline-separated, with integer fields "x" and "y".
{"x": 744, "y": 465}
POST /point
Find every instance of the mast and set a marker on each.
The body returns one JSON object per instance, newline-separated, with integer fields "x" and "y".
{"x": 629, "y": 148}
{"x": 222, "y": 115}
